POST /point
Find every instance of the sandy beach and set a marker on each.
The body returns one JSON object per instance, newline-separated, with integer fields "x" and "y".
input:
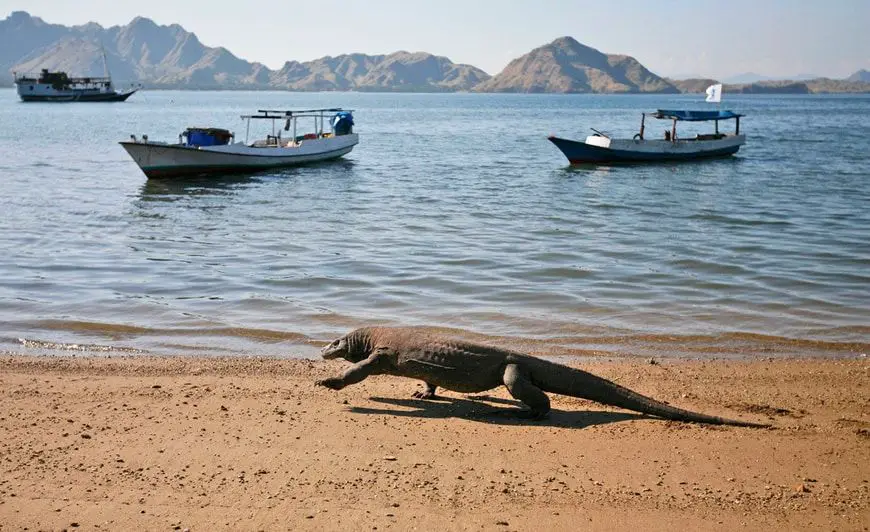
{"x": 134, "y": 443}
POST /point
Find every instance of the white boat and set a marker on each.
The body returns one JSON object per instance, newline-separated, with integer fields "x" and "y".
{"x": 203, "y": 151}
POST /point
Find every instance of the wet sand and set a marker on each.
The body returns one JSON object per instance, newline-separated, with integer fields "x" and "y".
{"x": 133, "y": 443}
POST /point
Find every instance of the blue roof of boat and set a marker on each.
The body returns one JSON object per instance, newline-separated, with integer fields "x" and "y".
{"x": 696, "y": 116}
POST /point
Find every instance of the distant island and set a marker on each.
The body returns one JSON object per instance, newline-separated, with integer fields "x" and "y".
{"x": 169, "y": 57}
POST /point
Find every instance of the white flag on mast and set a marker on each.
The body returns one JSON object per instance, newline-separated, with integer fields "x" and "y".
{"x": 714, "y": 93}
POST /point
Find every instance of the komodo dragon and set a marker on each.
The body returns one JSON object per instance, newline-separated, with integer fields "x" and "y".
{"x": 470, "y": 368}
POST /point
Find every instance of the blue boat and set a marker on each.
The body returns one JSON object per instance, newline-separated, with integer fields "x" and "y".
{"x": 600, "y": 148}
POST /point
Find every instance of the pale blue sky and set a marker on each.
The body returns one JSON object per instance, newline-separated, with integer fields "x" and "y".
{"x": 671, "y": 37}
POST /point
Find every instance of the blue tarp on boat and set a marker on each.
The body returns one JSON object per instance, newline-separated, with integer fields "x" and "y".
{"x": 342, "y": 123}
{"x": 696, "y": 116}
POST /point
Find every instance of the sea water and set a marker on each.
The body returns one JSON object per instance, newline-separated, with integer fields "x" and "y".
{"x": 454, "y": 211}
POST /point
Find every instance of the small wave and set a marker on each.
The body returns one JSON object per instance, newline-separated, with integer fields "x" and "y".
{"x": 557, "y": 273}
{"x": 115, "y": 330}
{"x": 609, "y": 206}
{"x": 710, "y": 267}
{"x": 733, "y": 220}
{"x": 744, "y": 342}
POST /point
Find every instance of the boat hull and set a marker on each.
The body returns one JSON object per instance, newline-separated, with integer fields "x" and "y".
{"x": 159, "y": 160}
{"x": 602, "y": 150}
{"x": 77, "y": 97}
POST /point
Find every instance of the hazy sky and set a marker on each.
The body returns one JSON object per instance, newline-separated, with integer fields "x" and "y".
{"x": 671, "y": 37}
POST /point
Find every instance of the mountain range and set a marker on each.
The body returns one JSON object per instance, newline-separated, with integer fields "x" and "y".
{"x": 752, "y": 77}
{"x": 171, "y": 57}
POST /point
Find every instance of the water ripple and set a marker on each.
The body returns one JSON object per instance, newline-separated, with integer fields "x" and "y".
{"x": 446, "y": 214}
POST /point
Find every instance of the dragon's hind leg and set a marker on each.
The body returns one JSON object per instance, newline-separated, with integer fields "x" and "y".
{"x": 521, "y": 388}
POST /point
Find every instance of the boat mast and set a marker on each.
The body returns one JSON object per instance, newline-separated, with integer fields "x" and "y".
{"x": 106, "y": 65}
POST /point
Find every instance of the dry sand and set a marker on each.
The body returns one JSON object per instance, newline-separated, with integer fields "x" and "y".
{"x": 251, "y": 444}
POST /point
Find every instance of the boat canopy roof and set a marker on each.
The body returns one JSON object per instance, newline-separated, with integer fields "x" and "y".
{"x": 275, "y": 114}
{"x": 695, "y": 116}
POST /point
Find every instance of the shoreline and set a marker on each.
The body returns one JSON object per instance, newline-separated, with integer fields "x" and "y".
{"x": 241, "y": 443}
{"x": 297, "y": 345}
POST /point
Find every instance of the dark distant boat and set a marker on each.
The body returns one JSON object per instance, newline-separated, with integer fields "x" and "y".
{"x": 600, "y": 148}
{"x": 59, "y": 87}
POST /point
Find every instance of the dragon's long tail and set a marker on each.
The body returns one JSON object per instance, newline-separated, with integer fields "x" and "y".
{"x": 563, "y": 380}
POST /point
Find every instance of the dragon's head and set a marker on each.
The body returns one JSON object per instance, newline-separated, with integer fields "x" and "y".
{"x": 353, "y": 346}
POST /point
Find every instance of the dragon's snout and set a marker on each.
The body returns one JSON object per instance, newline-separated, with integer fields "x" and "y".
{"x": 333, "y": 350}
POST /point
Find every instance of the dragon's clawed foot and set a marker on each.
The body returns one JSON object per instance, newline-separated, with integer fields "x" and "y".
{"x": 333, "y": 383}
{"x": 533, "y": 415}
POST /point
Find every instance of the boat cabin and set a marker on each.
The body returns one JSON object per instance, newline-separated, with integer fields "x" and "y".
{"x": 61, "y": 81}
{"x": 691, "y": 116}
{"x": 340, "y": 122}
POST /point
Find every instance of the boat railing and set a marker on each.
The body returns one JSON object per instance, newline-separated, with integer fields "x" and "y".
{"x": 47, "y": 77}
{"x": 276, "y": 114}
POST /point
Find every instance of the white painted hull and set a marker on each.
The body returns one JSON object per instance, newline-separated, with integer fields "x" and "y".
{"x": 157, "y": 159}
{"x": 32, "y": 91}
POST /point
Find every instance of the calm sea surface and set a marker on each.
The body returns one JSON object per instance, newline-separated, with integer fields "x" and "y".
{"x": 453, "y": 211}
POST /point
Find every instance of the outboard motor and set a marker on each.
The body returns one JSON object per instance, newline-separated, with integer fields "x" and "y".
{"x": 342, "y": 123}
